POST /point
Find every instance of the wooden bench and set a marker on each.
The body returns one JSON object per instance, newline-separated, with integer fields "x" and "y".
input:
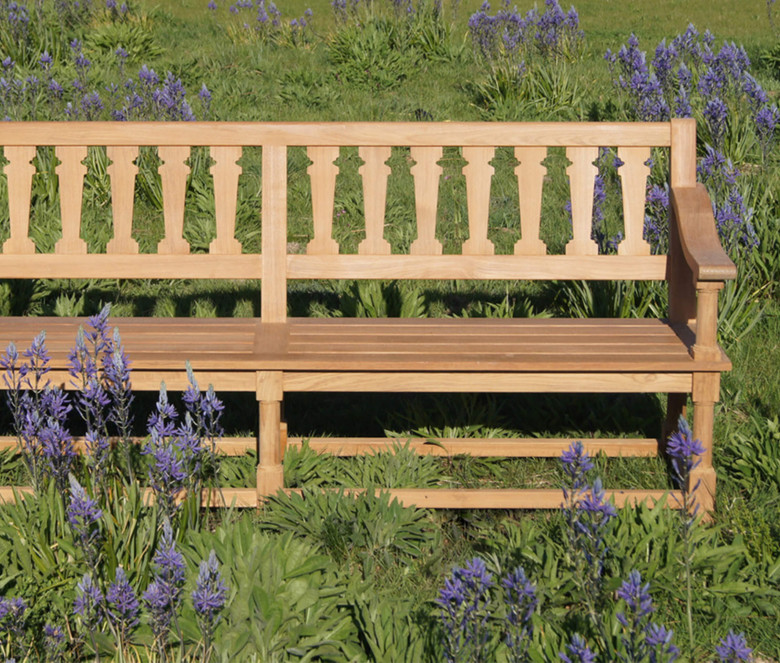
{"x": 276, "y": 354}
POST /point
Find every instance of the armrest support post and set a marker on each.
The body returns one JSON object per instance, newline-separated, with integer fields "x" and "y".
{"x": 706, "y": 346}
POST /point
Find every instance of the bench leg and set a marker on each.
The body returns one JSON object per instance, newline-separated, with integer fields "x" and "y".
{"x": 676, "y": 406}
{"x": 706, "y": 392}
{"x": 270, "y": 473}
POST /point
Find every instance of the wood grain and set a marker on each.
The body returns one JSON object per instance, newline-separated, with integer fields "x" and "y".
{"x": 71, "y": 173}
{"x": 19, "y": 172}
{"x": 122, "y": 172}
{"x": 173, "y": 173}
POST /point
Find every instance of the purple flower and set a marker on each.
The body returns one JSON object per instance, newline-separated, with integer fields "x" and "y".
{"x": 578, "y": 651}
{"x": 204, "y": 95}
{"x": 116, "y": 370}
{"x": 12, "y": 618}
{"x": 520, "y": 598}
{"x": 55, "y": 88}
{"x": 45, "y": 61}
{"x": 163, "y": 595}
{"x": 209, "y": 597}
{"x": 83, "y": 515}
{"x": 576, "y": 464}
{"x": 682, "y": 448}
{"x": 464, "y": 604}
{"x": 148, "y": 76}
{"x": 593, "y": 503}
{"x": 38, "y": 359}
{"x": 660, "y": 647}
{"x": 122, "y": 604}
{"x": 636, "y": 596}
{"x": 56, "y": 445}
{"x": 641, "y": 638}
{"x": 767, "y": 120}
{"x": 733, "y": 648}
{"x": 204, "y": 409}
{"x": 716, "y": 114}
{"x": 54, "y": 642}
{"x": 89, "y": 603}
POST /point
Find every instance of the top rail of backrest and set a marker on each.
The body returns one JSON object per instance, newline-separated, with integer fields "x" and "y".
{"x": 343, "y": 134}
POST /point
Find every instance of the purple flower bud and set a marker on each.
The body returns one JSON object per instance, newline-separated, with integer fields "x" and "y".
{"x": 210, "y": 596}
{"x": 45, "y": 61}
{"x": 576, "y": 464}
{"x": 733, "y": 648}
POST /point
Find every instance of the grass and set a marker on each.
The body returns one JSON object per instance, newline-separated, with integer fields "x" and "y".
{"x": 399, "y": 558}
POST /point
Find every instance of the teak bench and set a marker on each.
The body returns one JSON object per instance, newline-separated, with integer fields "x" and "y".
{"x": 275, "y": 354}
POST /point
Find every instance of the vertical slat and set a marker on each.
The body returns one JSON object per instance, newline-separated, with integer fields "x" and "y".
{"x": 122, "y": 172}
{"x": 225, "y": 172}
{"x": 173, "y": 172}
{"x": 633, "y": 177}
{"x": 71, "y": 175}
{"x": 683, "y": 153}
{"x": 273, "y": 306}
{"x": 323, "y": 173}
{"x": 19, "y": 172}
{"x": 530, "y": 177}
{"x": 426, "y": 172}
{"x": 478, "y": 173}
{"x": 374, "y": 172}
{"x": 582, "y": 177}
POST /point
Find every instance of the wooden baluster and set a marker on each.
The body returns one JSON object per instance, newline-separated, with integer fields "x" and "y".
{"x": 19, "y": 172}
{"x": 530, "y": 177}
{"x": 71, "y": 173}
{"x": 323, "y": 191}
{"x": 478, "y": 173}
{"x": 225, "y": 172}
{"x": 173, "y": 172}
{"x": 633, "y": 176}
{"x": 582, "y": 177}
{"x": 426, "y": 172}
{"x": 122, "y": 172}
{"x": 374, "y": 172}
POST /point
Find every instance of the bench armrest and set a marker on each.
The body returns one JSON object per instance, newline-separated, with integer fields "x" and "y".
{"x": 698, "y": 235}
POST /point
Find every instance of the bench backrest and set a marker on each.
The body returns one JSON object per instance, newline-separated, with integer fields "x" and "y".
{"x": 226, "y": 258}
